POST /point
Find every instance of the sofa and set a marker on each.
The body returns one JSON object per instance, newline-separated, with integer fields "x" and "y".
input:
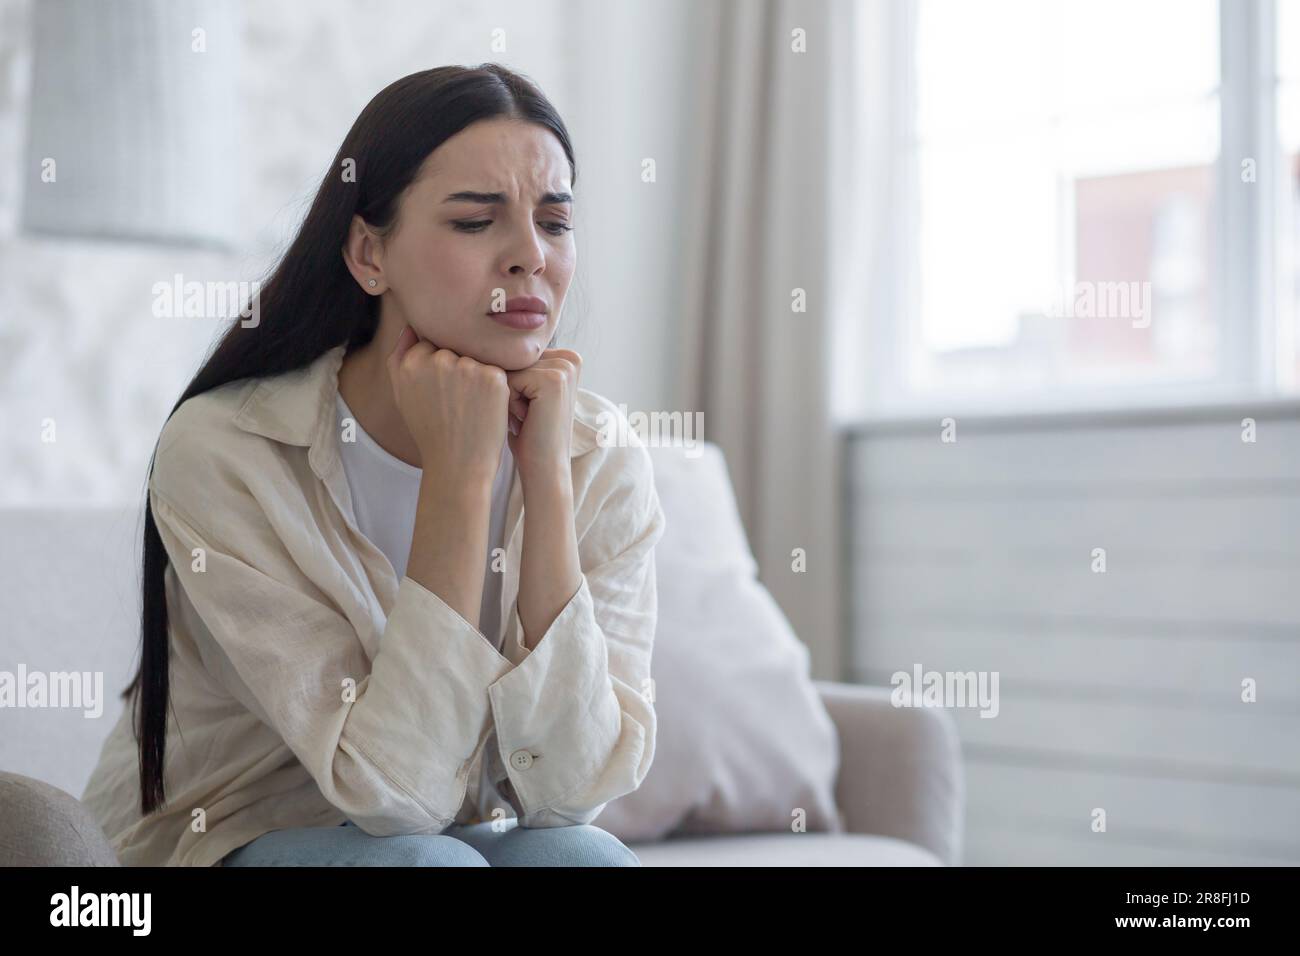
{"x": 899, "y": 787}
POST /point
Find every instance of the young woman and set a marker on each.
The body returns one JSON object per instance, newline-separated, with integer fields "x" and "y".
{"x": 399, "y": 592}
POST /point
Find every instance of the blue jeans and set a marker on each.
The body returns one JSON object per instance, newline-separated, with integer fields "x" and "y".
{"x": 472, "y": 844}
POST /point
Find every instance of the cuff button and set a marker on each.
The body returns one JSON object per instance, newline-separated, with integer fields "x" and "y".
{"x": 521, "y": 760}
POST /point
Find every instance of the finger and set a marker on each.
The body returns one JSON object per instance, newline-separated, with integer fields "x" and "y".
{"x": 518, "y": 407}
{"x": 519, "y": 381}
{"x": 561, "y": 358}
{"x": 568, "y": 355}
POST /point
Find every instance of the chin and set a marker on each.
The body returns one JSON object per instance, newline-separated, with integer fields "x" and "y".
{"x": 519, "y": 355}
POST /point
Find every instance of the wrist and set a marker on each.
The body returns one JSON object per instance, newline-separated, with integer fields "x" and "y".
{"x": 466, "y": 491}
{"x": 547, "y": 480}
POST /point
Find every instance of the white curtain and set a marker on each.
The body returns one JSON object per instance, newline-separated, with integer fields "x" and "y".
{"x": 775, "y": 202}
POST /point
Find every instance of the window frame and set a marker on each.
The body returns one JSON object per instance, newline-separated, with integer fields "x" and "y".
{"x": 1253, "y": 365}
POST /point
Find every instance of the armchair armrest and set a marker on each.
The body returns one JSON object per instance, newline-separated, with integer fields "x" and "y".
{"x": 900, "y": 769}
{"x": 41, "y": 825}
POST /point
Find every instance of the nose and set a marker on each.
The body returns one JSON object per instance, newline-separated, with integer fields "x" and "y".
{"x": 526, "y": 255}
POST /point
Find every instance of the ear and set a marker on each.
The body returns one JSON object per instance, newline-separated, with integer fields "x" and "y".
{"x": 363, "y": 255}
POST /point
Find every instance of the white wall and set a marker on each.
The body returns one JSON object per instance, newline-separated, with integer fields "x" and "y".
{"x": 632, "y": 104}
{"x": 78, "y": 343}
{"x": 1121, "y": 689}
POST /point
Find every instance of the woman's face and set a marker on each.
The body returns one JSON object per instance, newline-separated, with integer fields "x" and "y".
{"x": 487, "y": 220}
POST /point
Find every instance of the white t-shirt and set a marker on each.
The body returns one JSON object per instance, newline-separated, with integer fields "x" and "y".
{"x": 385, "y": 494}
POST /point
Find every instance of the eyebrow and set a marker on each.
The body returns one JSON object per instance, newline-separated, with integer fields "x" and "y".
{"x": 548, "y": 199}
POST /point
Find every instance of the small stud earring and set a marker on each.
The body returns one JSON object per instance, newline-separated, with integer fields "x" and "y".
{"x": 372, "y": 282}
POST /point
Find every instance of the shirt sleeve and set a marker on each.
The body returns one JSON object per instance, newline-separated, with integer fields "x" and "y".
{"x": 393, "y": 754}
{"x": 574, "y": 718}
{"x": 512, "y": 645}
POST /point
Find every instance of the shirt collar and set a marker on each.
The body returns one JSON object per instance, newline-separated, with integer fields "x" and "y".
{"x": 298, "y": 408}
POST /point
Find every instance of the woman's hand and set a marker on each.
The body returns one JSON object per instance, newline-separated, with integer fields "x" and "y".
{"x": 454, "y": 407}
{"x": 541, "y": 413}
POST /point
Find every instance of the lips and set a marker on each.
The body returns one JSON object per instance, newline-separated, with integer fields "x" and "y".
{"x": 522, "y": 312}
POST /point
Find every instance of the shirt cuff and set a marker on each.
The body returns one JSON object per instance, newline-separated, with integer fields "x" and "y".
{"x": 513, "y": 646}
{"x": 559, "y": 722}
{"x": 431, "y": 673}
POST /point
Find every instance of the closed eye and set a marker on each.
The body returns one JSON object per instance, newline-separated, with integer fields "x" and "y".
{"x": 554, "y": 227}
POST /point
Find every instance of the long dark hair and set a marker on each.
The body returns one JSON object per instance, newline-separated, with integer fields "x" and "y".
{"x": 311, "y": 303}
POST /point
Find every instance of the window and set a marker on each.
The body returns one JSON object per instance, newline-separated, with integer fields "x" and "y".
{"x": 1086, "y": 197}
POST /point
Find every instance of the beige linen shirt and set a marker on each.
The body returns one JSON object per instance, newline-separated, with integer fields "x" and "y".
{"x": 310, "y": 685}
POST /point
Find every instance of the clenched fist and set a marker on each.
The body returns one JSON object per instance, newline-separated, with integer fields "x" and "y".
{"x": 541, "y": 411}
{"x": 454, "y": 407}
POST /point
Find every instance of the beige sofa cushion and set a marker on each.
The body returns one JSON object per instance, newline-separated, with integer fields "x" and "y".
{"x": 744, "y": 742}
